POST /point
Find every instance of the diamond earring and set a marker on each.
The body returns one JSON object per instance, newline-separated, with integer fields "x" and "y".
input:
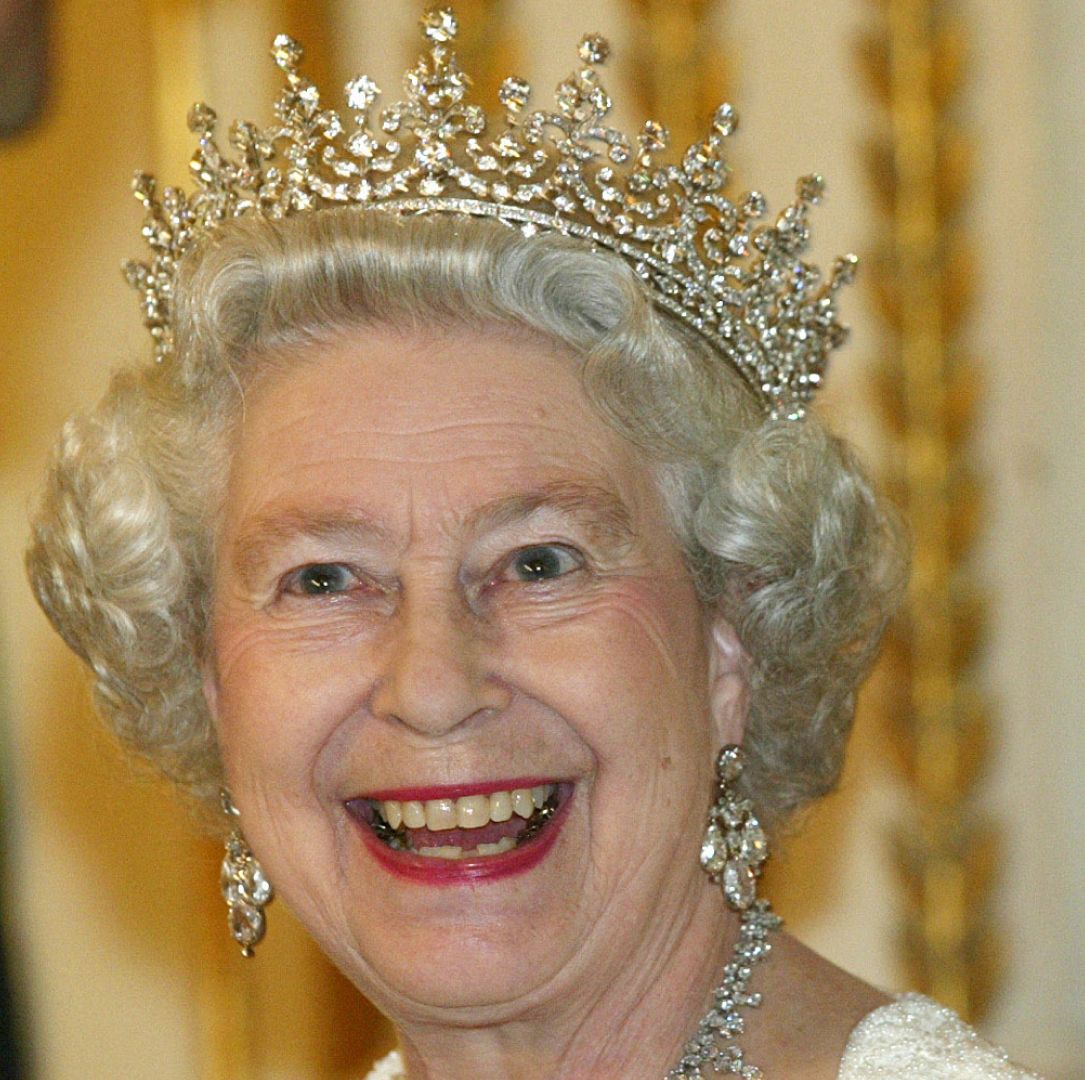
{"x": 244, "y": 887}
{"x": 734, "y": 847}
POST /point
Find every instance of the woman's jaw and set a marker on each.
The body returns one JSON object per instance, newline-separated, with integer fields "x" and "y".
{"x": 457, "y": 834}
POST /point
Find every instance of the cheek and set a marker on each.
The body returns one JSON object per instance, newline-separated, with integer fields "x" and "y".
{"x": 629, "y": 669}
{"x": 276, "y": 701}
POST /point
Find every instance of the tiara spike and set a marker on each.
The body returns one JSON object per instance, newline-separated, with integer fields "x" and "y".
{"x": 712, "y": 259}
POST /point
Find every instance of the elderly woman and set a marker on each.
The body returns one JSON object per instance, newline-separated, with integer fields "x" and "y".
{"x": 469, "y": 532}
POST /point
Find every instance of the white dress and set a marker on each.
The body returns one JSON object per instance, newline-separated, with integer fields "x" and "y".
{"x": 914, "y": 1038}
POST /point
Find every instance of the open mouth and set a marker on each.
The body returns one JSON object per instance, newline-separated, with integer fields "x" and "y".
{"x": 478, "y": 826}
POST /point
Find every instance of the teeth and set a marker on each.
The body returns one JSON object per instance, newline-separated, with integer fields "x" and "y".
{"x": 473, "y": 811}
{"x": 468, "y": 812}
{"x": 440, "y": 814}
{"x": 414, "y": 813}
{"x": 451, "y": 851}
{"x": 500, "y": 806}
{"x": 522, "y": 803}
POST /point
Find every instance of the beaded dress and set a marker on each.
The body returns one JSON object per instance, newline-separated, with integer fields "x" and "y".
{"x": 914, "y": 1038}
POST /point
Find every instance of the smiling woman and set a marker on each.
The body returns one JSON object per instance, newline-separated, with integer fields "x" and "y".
{"x": 493, "y": 582}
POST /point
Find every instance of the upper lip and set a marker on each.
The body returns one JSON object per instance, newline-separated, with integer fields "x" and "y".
{"x": 423, "y": 793}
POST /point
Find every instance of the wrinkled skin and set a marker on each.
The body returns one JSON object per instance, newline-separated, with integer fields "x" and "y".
{"x": 412, "y": 472}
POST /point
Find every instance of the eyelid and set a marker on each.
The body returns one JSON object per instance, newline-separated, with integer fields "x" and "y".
{"x": 290, "y": 582}
{"x": 574, "y": 553}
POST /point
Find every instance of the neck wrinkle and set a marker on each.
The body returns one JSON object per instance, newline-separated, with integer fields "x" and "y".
{"x": 635, "y": 1028}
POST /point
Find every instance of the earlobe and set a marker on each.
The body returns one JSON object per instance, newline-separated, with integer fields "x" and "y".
{"x": 729, "y": 682}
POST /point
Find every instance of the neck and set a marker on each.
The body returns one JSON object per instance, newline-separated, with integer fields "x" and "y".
{"x": 633, "y": 1023}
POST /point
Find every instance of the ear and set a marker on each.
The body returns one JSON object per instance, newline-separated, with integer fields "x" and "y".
{"x": 729, "y": 682}
{"x": 211, "y": 691}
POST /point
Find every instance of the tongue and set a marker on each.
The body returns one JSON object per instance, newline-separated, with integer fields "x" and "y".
{"x": 468, "y": 839}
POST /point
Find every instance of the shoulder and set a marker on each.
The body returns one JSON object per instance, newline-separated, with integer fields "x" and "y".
{"x": 388, "y": 1068}
{"x": 916, "y": 1037}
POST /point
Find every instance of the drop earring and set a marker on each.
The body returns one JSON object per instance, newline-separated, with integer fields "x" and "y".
{"x": 734, "y": 847}
{"x": 245, "y": 888}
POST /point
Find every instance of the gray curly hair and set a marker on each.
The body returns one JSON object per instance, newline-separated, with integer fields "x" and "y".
{"x": 781, "y": 529}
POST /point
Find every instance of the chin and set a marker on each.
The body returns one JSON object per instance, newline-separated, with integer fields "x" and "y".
{"x": 485, "y": 933}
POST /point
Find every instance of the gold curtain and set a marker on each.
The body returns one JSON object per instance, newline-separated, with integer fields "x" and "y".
{"x": 920, "y": 160}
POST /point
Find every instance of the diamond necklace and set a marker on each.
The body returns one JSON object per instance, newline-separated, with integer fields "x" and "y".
{"x": 714, "y": 1044}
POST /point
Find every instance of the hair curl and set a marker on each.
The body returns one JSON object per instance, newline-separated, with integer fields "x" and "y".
{"x": 781, "y": 528}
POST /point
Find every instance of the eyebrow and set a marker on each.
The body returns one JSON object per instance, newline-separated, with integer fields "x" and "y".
{"x": 602, "y": 513}
{"x": 268, "y": 533}
{"x": 595, "y": 507}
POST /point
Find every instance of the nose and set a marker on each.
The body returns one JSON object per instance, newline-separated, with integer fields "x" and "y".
{"x": 434, "y": 674}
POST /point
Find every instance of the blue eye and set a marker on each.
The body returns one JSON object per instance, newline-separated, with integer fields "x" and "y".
{"x": 543, "y": 562}
{"x": 321, "y": 579}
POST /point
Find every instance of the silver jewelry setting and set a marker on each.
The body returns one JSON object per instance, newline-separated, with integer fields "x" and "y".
{"x": 734, "y": 847}
{"x": 709, "y": 256}
{"x": 245, "y": 888}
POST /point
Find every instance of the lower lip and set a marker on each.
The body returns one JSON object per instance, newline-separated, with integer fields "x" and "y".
{"x": 425, "y": 870}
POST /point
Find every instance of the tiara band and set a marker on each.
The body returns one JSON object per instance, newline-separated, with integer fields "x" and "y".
{"x": 712, "y": 261}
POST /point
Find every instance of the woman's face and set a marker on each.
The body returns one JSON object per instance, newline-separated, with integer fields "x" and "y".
{"x": 442, "y": 578}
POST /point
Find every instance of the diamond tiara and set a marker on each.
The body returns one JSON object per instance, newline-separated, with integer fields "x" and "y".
{"x": 710, "y": 260}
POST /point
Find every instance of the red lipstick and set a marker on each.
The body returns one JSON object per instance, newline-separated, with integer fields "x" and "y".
{"x": 425, "y": 870}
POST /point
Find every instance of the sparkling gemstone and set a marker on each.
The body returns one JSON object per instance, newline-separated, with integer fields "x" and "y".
{"x": 361, "y": 93}
{"x": 654, "y": 136}
{"x": 726, "y": 119}
{"x": 361, "y": 144}
{"x": 754, "y": 205}
{"x": 201, "y": 118}
{"x": 430, "y": 186}
{"x": 514, "y": 93}
{"x": 567, "y": 95}
{"x": 474, "y": 119}
{"x": 143, "y": 185}
{"x": 287, "y": 52}
{"x": 136, "y": 274}
{"x": 439, "y": 25}
{"x": 739, "y": 884}
{"x": 594, "y": 49}
{"x": 754, "y": 846}
{"x": 811, "y": 188}
{"x": 600, "y": 100}
{"x": 729, "y": 764}
{"x": 844, "y": 269}
{"x": 713, "y": 849}
{"x": 508, "y": 146}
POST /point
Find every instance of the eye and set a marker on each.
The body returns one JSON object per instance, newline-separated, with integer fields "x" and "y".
{"x": 320, "y": 579}
{"x": 543, "y": 562}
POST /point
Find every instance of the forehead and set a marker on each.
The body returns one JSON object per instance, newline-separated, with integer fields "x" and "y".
{"x": 459, "y": 417}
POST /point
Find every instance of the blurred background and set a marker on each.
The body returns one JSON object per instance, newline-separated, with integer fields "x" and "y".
{"x": 953, "y": 139}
